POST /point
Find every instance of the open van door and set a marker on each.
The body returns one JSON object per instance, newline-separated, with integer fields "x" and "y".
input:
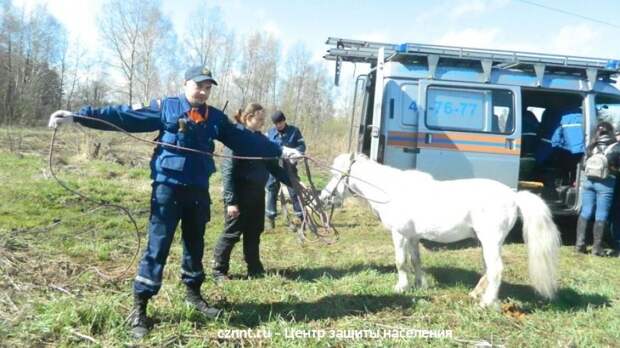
{"x": 469, "y": 131}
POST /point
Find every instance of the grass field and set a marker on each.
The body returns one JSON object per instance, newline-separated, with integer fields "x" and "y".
{"x": 54, "y": 245}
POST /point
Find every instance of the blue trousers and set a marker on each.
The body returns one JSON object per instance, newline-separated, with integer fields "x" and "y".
{"x": 597, "y": 196}
{"x": 273, "y": 187}
{"x": 169, "y": 205}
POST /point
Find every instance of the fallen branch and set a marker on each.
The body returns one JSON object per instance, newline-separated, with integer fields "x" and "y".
{"x": 84, "y": 337}
{"x": 55, "y": 287}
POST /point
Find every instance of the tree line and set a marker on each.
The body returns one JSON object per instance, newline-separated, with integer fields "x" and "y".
{"x": 142, "y": 56}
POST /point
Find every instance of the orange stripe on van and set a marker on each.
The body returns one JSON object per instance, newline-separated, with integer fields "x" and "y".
{"x": 451, "y": 141}
{"x": 472, "y": 148}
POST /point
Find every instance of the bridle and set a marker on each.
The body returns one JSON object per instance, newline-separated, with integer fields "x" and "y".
{"x": 346, "y": 175}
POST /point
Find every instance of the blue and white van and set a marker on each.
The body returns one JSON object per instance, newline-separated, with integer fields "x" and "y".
{"x": 458, "y": 112}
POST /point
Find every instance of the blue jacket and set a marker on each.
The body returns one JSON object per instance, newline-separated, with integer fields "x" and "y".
{"x": 178, "y": 167}
{"x": 289, "y": 137}
{"x": 562, "y": 130}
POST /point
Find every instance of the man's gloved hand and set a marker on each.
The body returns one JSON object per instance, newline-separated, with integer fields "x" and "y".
{"x": 291, "y": 154}
{"x": 60, "y": 117}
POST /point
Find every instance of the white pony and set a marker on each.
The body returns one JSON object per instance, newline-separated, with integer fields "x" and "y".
{"x": 412, "y": 205}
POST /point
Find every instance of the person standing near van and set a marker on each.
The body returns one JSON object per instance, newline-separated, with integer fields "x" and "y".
{"x": 597, "y": 189}
{"x": 244, "y": 200}
{"x": 180, "y": 180}
{"x": 286, "y": 135}
{"x": 560, "y": 148}
{"x": 614, "y": 162}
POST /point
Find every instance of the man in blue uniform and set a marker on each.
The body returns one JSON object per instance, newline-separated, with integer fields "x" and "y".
{"x": 180, "y": 179}
{"x": 286, "y": 135}
{"x": 560, "y": 148}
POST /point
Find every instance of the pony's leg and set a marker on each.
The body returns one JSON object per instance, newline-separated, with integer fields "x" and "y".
{"x": 480, "y": 287}
{"x": 493, "y": 261}
{"x": 401, "y": 249}
{"x": 482, "y": 283}
{"x": 420, "y": 281}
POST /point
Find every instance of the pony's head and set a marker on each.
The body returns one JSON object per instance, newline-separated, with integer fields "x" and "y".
{"x": 336, "y": 189}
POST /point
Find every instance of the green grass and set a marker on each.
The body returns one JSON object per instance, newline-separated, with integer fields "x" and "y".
{"x": 50, "y": 292}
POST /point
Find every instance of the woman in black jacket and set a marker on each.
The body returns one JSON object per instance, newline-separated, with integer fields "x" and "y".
{"x": 244, "y": 201}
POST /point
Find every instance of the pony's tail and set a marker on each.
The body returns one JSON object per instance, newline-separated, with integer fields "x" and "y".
{"x": 543, "y": 243}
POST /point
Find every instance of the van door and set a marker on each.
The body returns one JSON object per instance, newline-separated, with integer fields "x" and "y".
{"x": 400, "y": 124}
{"x": 469, "y": 131}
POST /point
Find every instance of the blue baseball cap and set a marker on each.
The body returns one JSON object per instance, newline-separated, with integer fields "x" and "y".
{"x": 278, "y": 116}
{"x": 199, "y": 74}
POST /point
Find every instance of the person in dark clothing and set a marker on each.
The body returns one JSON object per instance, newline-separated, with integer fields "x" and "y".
{"x": 287, "y": 135}
{"x": 244, "y": 199}
{"x": 560, "y": 148}
{"x": 180, "y": 179}
{"x": 529, "y": 133}
{"x": 614, "y": 165}
{"x": 597, "y": 191}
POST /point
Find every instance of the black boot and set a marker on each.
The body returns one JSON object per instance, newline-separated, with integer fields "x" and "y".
{"x": 195, "y": 299}
{"x": 137, "y": 318}
{"x": 220, "y": 268}
{"x": 256, "y": 270}
{"x": 580, "y": 243}
{"x": 224, "y": 247}
{"x": 272, "y": 222}
{"x": 598, "y": 232}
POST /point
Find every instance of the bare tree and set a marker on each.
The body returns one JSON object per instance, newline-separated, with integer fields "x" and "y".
{"x": 293, "y": 84}
{"x": 209, "y": 42}
{"x": 134, "y": 30}
{"x": 206, "y": 34}
{"x": 306, "y": 92}
{"x": 225, "y": 71}
{"x": 258, "y": 68}
{"x": 30, "y": 52}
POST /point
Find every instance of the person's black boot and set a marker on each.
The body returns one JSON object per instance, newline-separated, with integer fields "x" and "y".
{"x": 194, "y": 299}
{"x": 220, "y": 277}
{"x": 580, "y": 243}
{"x": 256, "y": 270}
{"x": 220, "y": 269}
{"x": 137, "y": 318}
{"x": 598, "y": 232}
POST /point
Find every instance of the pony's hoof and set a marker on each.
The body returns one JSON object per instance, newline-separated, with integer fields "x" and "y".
{"x": 421, "y": 284}
{"x": 493, "y": 306}
{"x": 400, "y": 288}
{"x": 474, "y": 294}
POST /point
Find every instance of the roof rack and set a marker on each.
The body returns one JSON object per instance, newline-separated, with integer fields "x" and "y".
{"x": 367, "y": 51}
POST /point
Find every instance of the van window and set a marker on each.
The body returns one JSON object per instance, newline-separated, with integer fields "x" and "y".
{"x": 470, "y": 109}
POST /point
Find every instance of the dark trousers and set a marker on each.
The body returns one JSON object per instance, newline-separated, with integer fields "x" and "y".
{"x": 169, "y": 205}
{"x": 273, "y": 188}
{"x": 250, "y": 224}
{"x": 615, "y": 216}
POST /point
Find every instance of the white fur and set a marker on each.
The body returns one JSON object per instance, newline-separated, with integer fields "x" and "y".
{"x": 412, "y": 205}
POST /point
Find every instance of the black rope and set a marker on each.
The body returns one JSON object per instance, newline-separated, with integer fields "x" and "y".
{"x": 315, "y": 219}
{"x": 101, "y": 203}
